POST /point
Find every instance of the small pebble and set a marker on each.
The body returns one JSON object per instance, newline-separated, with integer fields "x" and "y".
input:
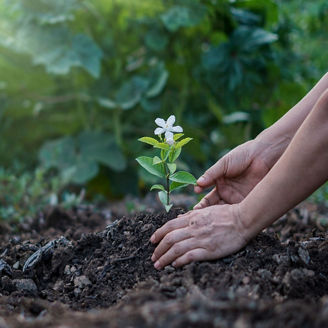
{"x": 25, "y": 285}
{"x": 246, "y": 280}
{"x": 16, "y": 265}
{"x": 296, "y": 274}
{"x": 304, "y": 255}
{"x": 81, "y": 282}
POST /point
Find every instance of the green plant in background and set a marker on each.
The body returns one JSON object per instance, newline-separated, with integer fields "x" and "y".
{"x": 24, "y": 195}
{"x": 81, "y": 80}
{"x": 164, "y": 166}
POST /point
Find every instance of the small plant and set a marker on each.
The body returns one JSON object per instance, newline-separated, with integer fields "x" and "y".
{"x": 23, "y": 195}
{"x": 164, "y": 166}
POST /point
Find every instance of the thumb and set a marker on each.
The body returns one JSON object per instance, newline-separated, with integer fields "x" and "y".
{"x": 214, "y": 172}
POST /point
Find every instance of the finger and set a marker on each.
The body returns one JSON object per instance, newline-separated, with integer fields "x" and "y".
{"x": 198, "y": 189}
{"x": 198, "y": 254}
{"x": 231, "y": 195}
{"x": 174, "y": 224}
{"x": 176, "y": 251}
{"x": 184, "y": 214}
{"x": 212, "y": 198}
{"x": 214, "y": 172}
{"x": 169, "y": 240}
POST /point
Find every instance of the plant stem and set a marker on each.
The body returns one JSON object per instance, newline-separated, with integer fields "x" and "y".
{"x": 168, "y": 189}
{"x": 167, "y": 172}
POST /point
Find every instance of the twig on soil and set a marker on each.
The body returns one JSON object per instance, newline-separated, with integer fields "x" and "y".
{"x": 126, "y": 258}
{"x": 5, "y": 267}
{"x": 110, "y": 229}
{"x": 46, "y": 250}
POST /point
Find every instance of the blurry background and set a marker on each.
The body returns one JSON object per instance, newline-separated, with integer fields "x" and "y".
{"x": 82, "y": 80}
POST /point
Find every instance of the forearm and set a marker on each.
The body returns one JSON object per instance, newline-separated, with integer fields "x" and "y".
{"x": 276, "y": 138}
{"x": 301, "y": 169}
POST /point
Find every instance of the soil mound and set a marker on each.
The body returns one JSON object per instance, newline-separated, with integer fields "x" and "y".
{"x": 80, "y": 268}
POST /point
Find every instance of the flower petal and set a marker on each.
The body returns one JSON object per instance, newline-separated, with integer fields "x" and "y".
{"x": 159, "y": 131}
{"x": 177, "y": 128}
{"x": 170, "y": 121}
{"x": 170, "y": 142}
{"x": 168, "y": 135}
{"x": 160, "y": 122}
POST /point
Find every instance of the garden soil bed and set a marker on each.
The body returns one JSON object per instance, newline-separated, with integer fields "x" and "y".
{"x": 99, "y": 274}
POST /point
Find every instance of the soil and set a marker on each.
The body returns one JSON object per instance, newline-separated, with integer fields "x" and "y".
{"x": 99, "y": 274}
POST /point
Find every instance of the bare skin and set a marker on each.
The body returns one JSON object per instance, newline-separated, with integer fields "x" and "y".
{"x": 258, "y": 179}
{"x": 237, "y": 173}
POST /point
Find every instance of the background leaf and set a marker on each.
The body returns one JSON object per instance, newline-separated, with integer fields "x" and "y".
{"x": 180, "y": 16}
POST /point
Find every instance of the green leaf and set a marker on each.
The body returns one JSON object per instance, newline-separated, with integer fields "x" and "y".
{"x": 102, "y": 148}
{"x": 88, "y": 54}
{"x": 183, "y": 177}
{"x": 84, "y": 172}
{"x": 78, "y": 158}
{"x": 181, "y": 16}
{"x": 177, "y": 136}
{"x": 147, "y": 163}
{"x": 177, "y": 185}
{"x": 156, "y": 40}
{"x": 250, "y": 38}
{"x": 131, "y": 92}
{"x": 58, "y": 50}
{"x": 157, "y": 186}
{"x": 260, "y": 37}
{"x": 151, "y": 105}
{"x": 183, "y": 142}
{"x": 172, "y": 167}
{"x": 174, "y": 154}
{"x": 168, "y": 207}
{"x": 162, "y": 195}
{"x": 158, "y": 81}
{"x": 60, "y": 153}
{"x": 236, "y": 117}
{"x": 150, "y": 141}
{"x": 107, "y": 103}
{"x": 156, "y": 160}
{"x": 162, "y": 145}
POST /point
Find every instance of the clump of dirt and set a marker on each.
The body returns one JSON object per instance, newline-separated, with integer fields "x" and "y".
{"x": 96, "y": 272}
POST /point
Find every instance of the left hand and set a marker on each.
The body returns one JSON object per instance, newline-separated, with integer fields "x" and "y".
{"x": 205, "y": 234}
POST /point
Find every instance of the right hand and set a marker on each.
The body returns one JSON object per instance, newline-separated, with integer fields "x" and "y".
{"x": 233, "y": 176}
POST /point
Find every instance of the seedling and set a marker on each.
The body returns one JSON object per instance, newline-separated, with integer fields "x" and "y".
{"x": 163, "y": 166}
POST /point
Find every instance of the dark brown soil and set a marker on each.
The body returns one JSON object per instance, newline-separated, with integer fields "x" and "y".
{"x": 103, "y": 277}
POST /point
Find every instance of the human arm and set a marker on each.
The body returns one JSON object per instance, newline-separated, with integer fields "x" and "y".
{"x": 300, "y": 171}
{"x": 217, "y": 231}
{"x": 236, "y": 174}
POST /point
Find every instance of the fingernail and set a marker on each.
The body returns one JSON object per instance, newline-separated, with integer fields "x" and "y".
{"x": 153, "y": 258}
{"x": 157, "y": 265}
{"x": 152, "y": 239}
{"x": 174, "y": 263}
{"x": 201, "y": 179}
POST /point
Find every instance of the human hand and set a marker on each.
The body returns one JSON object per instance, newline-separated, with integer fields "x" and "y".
{"x": 234, "y": 175}
{"x": 206, "y": 234}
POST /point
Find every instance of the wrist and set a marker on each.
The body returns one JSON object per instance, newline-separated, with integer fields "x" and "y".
{"x": 271, "y": 146}
{"x": 247, "y": 220}
{"x": 243, "y": 223}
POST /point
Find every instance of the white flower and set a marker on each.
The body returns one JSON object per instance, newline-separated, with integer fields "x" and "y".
{"x": 167, "y": 128}
{"x": 170, "y": 141}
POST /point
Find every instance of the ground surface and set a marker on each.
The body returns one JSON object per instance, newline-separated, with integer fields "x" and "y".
{"x": 103, "y": 277}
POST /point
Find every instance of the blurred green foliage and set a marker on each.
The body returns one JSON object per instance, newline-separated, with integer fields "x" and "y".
{"x": 81, "y": 81}
{"x": 24, "y": 195}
